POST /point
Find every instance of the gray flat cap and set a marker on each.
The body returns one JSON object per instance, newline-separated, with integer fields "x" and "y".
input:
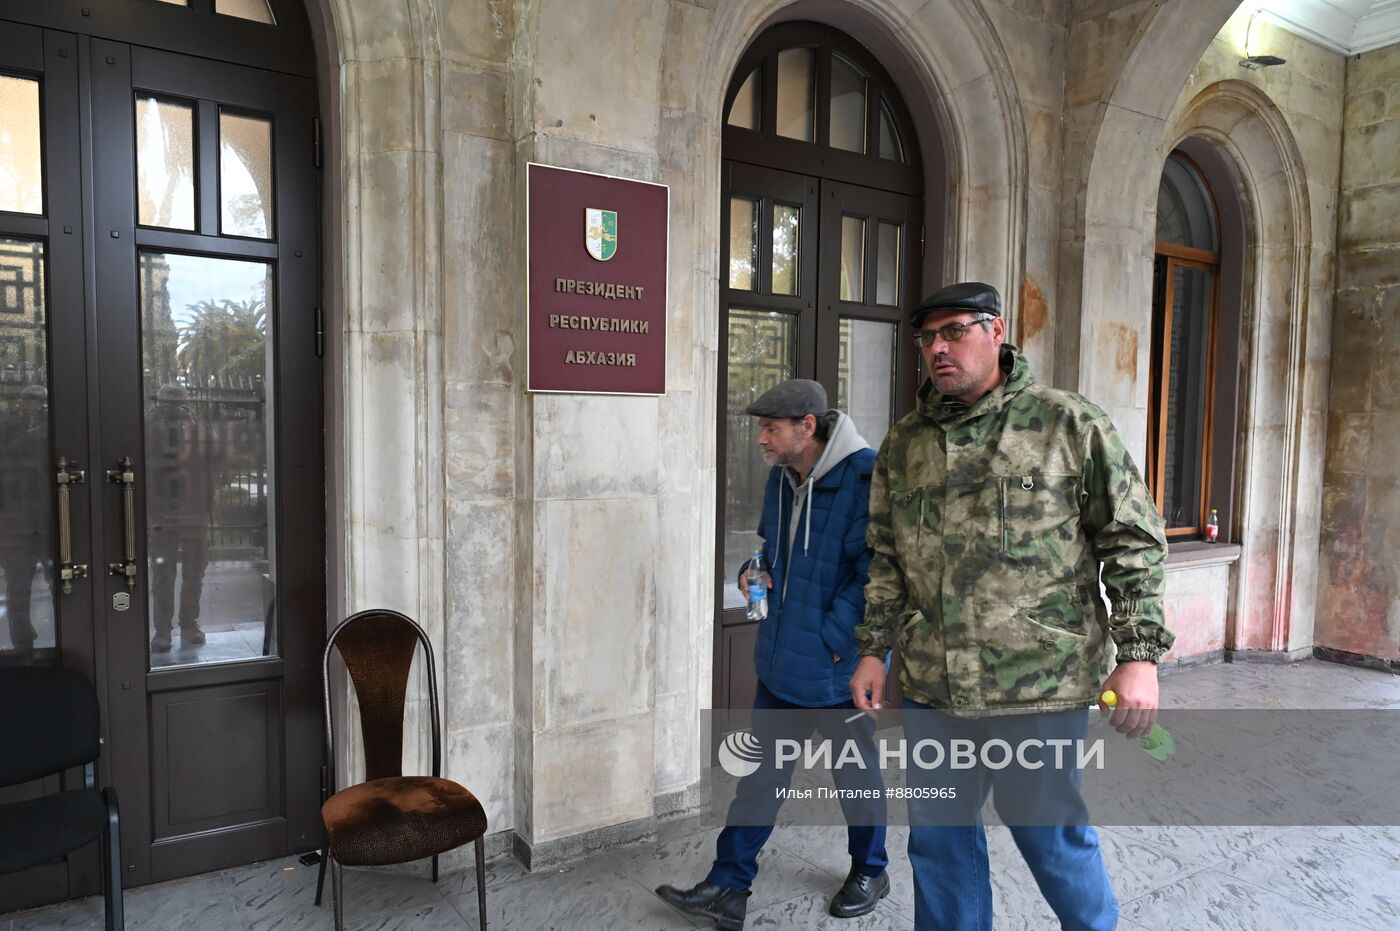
{"x": 796, "y": 397}
{"x": 968, "y": 295}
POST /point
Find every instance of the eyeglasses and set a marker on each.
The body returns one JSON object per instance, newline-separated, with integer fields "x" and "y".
{"x": 951, "y": 332}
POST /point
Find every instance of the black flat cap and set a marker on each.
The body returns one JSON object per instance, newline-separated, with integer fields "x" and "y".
{"x": 797, "y": 397}
{"x": 969, "y": 295}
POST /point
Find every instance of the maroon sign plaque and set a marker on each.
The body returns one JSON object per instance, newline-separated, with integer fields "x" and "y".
{"x": 596, "y": 282}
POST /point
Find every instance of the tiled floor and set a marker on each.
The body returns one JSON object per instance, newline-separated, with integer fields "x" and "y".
{"x": 1189, "y": 878}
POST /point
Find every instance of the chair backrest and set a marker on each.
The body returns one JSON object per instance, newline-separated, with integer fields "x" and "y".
{"x": 48, "y": 722}
{"x": 377, "y": 647}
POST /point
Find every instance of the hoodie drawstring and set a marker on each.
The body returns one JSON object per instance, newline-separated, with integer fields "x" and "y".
{"x": 807, "y": 528}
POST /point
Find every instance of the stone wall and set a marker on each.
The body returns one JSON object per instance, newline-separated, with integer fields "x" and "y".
{"x": 1359, "y": 595}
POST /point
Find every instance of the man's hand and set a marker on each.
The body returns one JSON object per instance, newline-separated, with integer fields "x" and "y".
{"x": 744, "y": 583}
{"x": 1136, "y": 685}
{"x": 868, "y": 684}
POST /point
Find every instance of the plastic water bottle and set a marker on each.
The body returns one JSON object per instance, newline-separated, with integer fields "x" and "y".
{"x": 758, "y": 589}
{"x": 1213, "y": 527}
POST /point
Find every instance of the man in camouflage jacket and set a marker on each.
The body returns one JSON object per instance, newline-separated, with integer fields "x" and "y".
{"x": 993, "y": 507}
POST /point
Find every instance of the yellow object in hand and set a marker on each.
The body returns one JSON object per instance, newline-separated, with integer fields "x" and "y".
{"x": 1157, "y": 743}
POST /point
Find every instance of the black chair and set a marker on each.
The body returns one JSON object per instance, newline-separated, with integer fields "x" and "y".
{"x": 390, "y": 817}
{"x": 49, "y": 723}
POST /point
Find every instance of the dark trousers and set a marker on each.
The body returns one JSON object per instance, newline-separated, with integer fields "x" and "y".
{"x": 190, "y": 545}
{"x": 19, "y": 564}
{"x": 756, "y": 804}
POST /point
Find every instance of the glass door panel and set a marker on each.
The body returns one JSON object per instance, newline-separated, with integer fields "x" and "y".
{"x": 206, "y": 386}
{"x": 27, "y": 494}
{"x": 787, "y": 248}
{"x": 21, "y": 167}
{"x": 165, "y": 163}
{"x": 762, "y": 353}
{"x": 865, "y": 384}
{"x": 245, "y": 175}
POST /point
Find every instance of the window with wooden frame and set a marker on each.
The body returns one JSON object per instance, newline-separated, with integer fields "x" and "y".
{"x": 1185, "y": 298}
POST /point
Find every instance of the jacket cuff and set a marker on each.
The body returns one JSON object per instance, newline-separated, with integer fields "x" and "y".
{"x": 1140, "y": 650}
{"x": 875, "y": 637}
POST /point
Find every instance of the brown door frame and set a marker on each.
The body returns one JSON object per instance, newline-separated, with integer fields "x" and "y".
{"x": 27, "y": 51}
{"x": 285, "y": 684}
{"x": 95, "y": 409}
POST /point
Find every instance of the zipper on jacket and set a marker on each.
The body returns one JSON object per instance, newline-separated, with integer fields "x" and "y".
{"x": 1001, "y": 484}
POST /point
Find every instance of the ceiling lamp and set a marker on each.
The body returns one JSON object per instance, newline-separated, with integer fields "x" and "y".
{"x": 1256, "y": 61}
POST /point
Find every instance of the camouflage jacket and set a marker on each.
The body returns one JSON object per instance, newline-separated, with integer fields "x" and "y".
{"x": 989, "y": 523}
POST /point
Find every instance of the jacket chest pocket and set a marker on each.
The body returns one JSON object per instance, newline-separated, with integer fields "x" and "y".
{"x": 913, "y": 511}
{"x": 1038, "y": 516}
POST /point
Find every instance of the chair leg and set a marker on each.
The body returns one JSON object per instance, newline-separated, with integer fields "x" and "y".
{"x": 481, "y": 879}
{"x": 335, "y": 896}
{"x": 435, "y": 856}
{"x": 321, "y": 876}
{"x": 112, "y": 864}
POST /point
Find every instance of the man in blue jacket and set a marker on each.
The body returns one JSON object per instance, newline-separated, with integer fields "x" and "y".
{"x": 815, "y": 510}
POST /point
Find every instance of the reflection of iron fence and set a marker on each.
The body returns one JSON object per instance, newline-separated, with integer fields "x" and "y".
{"x": 223, "y": 451}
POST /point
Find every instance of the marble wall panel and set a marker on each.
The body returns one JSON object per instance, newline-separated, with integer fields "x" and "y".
{"x": 596, "y": 71}
{"x": 479, "y": 423}
{"x": 1197, "y": 607}
{"x": 576, "y": 457}
{"x": 386, "y": 94}
{"x": 476, "y": 100}
{"x": 678, "y": 553}
{"x": 481, "y": 272}
{"x": 478, "y": 31}
{"x": 383, "y": 503}
{"x": 482, "y": 586}
{"x": 598, "y": 611}
{"x": 385, "y": 298}
{"x": 677, "y": 741}
{"x": 482, "y": 758}
{"x": 1036, "y": 49}
{"x": 590, "y": 776}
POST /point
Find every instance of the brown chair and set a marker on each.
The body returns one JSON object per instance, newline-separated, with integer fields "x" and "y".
{"x": 390, "y": 817}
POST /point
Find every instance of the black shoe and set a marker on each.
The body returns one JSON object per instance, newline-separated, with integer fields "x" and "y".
{"x": 859, "y": 894}
{"x": 725, "y": 906}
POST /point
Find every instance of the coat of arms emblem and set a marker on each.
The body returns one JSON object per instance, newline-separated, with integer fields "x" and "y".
{"x": 600, "y": 232}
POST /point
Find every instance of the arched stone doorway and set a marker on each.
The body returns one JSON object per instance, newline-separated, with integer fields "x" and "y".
{"x": 166, "y": 370}
{"x": 821, "y": 251}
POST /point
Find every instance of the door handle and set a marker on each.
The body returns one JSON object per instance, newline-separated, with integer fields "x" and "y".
{"x": 125, "y": 475}
{"x": 68, "y": 475}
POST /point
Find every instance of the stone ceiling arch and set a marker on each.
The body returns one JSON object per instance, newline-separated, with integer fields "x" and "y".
{"x": 1111, "y": 197}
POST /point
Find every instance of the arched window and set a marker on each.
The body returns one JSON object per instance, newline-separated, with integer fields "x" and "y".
{"x": 1184, "y": 310}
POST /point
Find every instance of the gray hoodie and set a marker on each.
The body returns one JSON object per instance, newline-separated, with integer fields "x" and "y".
{"x": 843, "y": 441}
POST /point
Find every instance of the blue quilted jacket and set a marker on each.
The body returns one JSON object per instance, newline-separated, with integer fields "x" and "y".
{"x": 818, "y": 594}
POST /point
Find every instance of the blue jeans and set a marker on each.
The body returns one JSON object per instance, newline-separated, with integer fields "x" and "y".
{"x": 1042, "y": 807}
{"x": 756, "y": 803}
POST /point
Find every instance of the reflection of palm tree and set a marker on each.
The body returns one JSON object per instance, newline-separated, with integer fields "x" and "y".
{"x": 223, "y": 339}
